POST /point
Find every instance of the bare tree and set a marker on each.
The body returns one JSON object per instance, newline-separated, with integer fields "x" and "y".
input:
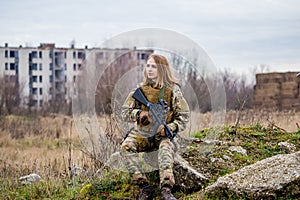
{"x": 238, "y": 91}
{"x": 10, "y": 94}
{"x": 113, "y": 72}
{"x": 2, "y": 94}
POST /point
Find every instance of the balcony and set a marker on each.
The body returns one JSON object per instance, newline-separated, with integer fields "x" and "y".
{"x": 59, "y": 80}
{"x": 59, "y": 67}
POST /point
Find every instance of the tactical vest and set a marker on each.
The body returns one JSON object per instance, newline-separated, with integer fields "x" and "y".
{"x": 153, "y": 95}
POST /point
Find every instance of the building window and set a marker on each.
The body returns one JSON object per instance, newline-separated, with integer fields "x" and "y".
{"x": 74, "y": 79}
{"x": 74, "y": 66}
{"x": 41, "y": 103}
{"x": 41, "y": 66}
{"x": 34, "y": 79}
{"x": 41, "y": 91}
{"x": 6, "y": 66}
{"x": 34, "y": 54}
{"x": 34, "y": 103}
{"x": 51, "y": 78}
{"x": 65, "y": 78}
{"x": 34, "y": 66}
{"x": 6, "y": 54}
{"x": 74, "y": 54}
{"x": 41, "y": 79}
{"x": 13, "y": 54}
{"x": 101, "y": 55}
{"x": 13, "y": 78}
{"x": 65, "y": 66}
{"x": 79, "y": 66}
{"x": 34, "y": 91}
{"x": 12, "y": 66}
{"x": 40, "y": 54}
{"x": 80, "y": 55}
{"x": 50, "y": 54}
{"x": 143, "y": 56}
{"x": 51, "y": 66}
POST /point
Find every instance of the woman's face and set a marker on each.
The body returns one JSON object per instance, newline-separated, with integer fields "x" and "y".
{"x": 151, "y": 69}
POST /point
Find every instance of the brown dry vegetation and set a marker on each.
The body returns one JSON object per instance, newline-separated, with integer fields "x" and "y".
{"x": 286, "y": 120}
{"x": 49, "y": 145}
{"x": 38, "y": 145}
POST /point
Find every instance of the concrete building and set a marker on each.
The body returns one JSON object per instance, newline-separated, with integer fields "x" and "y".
{"x": 48, "y": 73}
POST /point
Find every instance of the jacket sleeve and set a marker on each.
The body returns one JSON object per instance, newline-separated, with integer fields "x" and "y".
{"x": 181, "y": 111}
{"x": 130, "y": 108}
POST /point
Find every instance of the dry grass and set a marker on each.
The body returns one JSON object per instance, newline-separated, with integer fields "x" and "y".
{"x": 42, "y": 145}
{"x": 286, "y": 120}
{"x": 39, "y": 145}
{"x": 48, "y": 145}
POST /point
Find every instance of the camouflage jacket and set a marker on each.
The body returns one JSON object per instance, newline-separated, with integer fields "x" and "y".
{"x": 181, "y": 112}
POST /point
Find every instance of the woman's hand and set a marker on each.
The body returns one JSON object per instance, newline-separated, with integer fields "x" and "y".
{"x": 161, "y": 131}
{"x": 143, "y": 118}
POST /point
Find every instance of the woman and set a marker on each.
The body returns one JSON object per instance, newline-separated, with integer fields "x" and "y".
{"x": 158, "y": 83}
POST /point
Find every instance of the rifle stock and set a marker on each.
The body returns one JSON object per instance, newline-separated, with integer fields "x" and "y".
{"x": 140, "y": 97}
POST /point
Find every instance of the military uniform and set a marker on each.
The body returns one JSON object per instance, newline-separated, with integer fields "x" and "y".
{"x": 137, "y": 140}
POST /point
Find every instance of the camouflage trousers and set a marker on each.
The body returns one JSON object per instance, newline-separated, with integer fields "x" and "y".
{"x": 135, "y": 144}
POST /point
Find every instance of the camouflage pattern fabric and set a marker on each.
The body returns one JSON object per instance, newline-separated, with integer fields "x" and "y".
{"x": 179, "y": 108}
{"x": 137, "y": 142}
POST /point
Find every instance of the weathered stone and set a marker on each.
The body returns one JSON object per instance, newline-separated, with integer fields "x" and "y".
{"x": 238, "y": 149}
{"x": 187, "y": 179}
{"x": 29, "y": 179}
{"x": 212, "y": 142}
{"x": 75, "y": 170}
{"x": 277, "y": 176}
{"x": 287, "y": 147}
{"x": 213, "y": 160}
{"x": 226, "y": 157}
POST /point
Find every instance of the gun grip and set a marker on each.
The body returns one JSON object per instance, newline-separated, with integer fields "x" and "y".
{"x": 143, "y": 119}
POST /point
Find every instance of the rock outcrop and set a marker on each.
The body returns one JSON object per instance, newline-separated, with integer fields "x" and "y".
{"x": 291, "y": 148}
{"x": 29, "y": 179}
{"x": 187, "y": 179}
{"x": 277, "y": 176}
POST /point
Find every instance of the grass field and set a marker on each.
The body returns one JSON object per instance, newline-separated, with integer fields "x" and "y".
{"x": 49, "y": 146}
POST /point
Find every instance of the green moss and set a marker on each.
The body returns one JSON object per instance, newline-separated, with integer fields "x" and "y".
{"x": 257, "y": 127}
{"x": 111, "y": 185}
{"x": 248, "y": 145}
{"x": 200, "y": 134}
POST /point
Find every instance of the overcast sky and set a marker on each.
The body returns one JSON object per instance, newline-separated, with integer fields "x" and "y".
{"x": 236, "y": 34}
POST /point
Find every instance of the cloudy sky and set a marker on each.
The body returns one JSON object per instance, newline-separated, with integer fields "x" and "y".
{"x": 236, "y": 34}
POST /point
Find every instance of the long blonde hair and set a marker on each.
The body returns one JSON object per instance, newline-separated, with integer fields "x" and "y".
{"x": 164, "y": 72}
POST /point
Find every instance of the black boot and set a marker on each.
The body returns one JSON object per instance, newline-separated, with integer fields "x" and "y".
{"x": 166, "y": 193}
{"x": 147, "y": 192}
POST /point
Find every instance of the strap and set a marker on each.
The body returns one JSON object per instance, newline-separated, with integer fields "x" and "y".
{"x": 161, "y": 93}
